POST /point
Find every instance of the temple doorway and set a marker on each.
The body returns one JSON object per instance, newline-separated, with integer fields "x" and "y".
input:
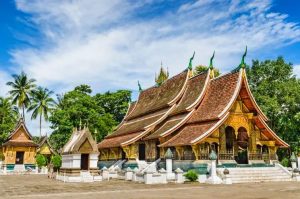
{"x": 20, "y": 157}
{"x": 142, "y": 151}
{"x": 157, "y": 150}
{"x": 123, "y": 155}
{"x": 242, "y": 142}
{"x": 230, "y": 139}
{"x": 84, "y": 163}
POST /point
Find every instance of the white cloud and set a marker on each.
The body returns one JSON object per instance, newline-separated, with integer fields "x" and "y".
{"x": 4, "y": 77}
{"x": 112, "y": 44}
{"x": 297, "y": 70}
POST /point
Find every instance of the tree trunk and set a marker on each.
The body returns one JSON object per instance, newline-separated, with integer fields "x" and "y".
{"x": 23, "y": 108}
{"x": 40, "y": 126}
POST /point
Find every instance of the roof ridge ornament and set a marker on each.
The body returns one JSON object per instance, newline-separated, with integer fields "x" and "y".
{"x": 243, "y": 64}
{"x": 140, "y": 87}
{"x": 211, "y": 65}
{"x": 190, "y": 67}
{"x": 162, "y": 76}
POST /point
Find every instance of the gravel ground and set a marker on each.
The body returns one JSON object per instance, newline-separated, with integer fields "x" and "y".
{"x": 39, "y": 186}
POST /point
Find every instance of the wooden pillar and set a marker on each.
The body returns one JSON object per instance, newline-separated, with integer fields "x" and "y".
{"x": 252, "y": 139}
{"x": 222, "y": 139}
{"x": 195, "y": 149}
{"x": 179, "y": 151}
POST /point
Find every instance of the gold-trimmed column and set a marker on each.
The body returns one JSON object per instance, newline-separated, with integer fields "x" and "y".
{"x": 179, "y": 150}
{"x": 222, "y": 139}
{"x": 195, "y": 149}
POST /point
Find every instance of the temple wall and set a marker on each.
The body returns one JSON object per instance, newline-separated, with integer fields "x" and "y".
{"x": 111, "y": 154}
{"x": 45, "y": 150}
{"x": 150, "y": 150}
{"x": 10, "y": 154}
{"x": 131, "y": 151}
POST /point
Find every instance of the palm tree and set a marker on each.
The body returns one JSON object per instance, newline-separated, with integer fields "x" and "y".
{"x": 7, "y": 110}
{"x": 22, "y": 87}
{"x": 41, "y": 104}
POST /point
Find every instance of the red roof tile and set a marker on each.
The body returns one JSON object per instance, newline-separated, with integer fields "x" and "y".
{"x": 116, "y": 141}
{"x": 194, "y": 89}
{"x": 156, "y": 98}
{"x": 219, "y": 93}
{"x": 165, "y": 127}
{"x": 136, "y": 125}
{"x": 188, "y": 134}
{"x": 20, "y": 143}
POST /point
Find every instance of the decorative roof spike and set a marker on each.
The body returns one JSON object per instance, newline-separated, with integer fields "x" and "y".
{"x": 169, "y": 154}
{"x": 243, "y": 64}
{"x": 190, "y": 67}
{"x": 162, "y": 76}
{"x": 213, "y": 155}
{"x": 293, "y": 157}
{"x": 140, "y": 87}
{"x": 211, "y": 65}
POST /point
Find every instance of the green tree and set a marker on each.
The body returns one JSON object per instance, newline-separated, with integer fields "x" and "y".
{"x": 115, "y": 103}
{"x": 21, "y": 89}
{"x": 200, "y": 69}
{"x": 56, "y": 161}
{"x": 41, "y": 105}
{"x": 73, "y": 107}
{"x": 40, "y": 160}
{"x": 8, "y": 118}
{"x": 276, "y": 90}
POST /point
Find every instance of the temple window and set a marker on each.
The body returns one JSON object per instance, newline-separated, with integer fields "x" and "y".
{"x": 230, "y": 138}
{"x": 265, "y": 149}
{"x": 258, "y": 148}
{"x": 188, "y": 153}
{"x": 142, "y": 151}
{"x": 242, "y": 138}
{"x": 214, "y": 146}
{"x": 204, "y": 151}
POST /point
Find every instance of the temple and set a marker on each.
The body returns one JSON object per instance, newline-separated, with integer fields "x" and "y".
{"x": 45, "y": 148}
{"x": 19, "y": 149}
{"x": 79, "y": 157}
{"x": 193, "y": 115}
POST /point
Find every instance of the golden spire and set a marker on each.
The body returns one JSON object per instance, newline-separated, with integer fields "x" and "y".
{"x": 162, "y": 76}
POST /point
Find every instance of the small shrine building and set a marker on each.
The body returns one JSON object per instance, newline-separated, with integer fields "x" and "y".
{"x": 45, "y": 148}
{"x": 19, "y": 150}
{"x": 80, "y": 153}
{"x": 192, "y": 115}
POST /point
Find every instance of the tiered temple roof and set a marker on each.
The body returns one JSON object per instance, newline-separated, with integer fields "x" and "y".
{"x": 80, "y": 139}
{"x": 20, "y": 137}
{"x": 186, "y": 110}
{"x": 44, "y": 142}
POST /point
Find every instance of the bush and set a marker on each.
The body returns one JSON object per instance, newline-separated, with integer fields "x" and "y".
{"x": 40, "y": 160}
{"x": 285, "y": 162}
{"x": 56, "y": 161}
{"x": 2, "y": 157}
{"x": 191, "y": 175}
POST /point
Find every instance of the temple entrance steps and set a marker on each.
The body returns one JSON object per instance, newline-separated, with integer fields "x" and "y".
{"x": 19, "y": 168}
{"x": 151, "y": 166}
{"x": 257, "y": 174}
{"x": 142, "y": 164}
{"x": 118, "y": 163}
{"x": 86, "y": 176}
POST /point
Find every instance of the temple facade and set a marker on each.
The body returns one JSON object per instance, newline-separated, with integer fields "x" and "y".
{"x": 45, "y": 149}
{"x": 193, "y": 115}
{"x": 19, "y": 150}
{"x": 80, "y": 153}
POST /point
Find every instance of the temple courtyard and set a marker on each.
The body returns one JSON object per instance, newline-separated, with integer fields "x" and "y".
{"x": 39, "y": 186}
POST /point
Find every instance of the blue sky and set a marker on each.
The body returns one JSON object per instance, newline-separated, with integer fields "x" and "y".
{"x": 112, "y": 44}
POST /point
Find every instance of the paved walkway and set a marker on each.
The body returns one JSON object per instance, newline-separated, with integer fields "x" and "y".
{"x": 38, "y": 186}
